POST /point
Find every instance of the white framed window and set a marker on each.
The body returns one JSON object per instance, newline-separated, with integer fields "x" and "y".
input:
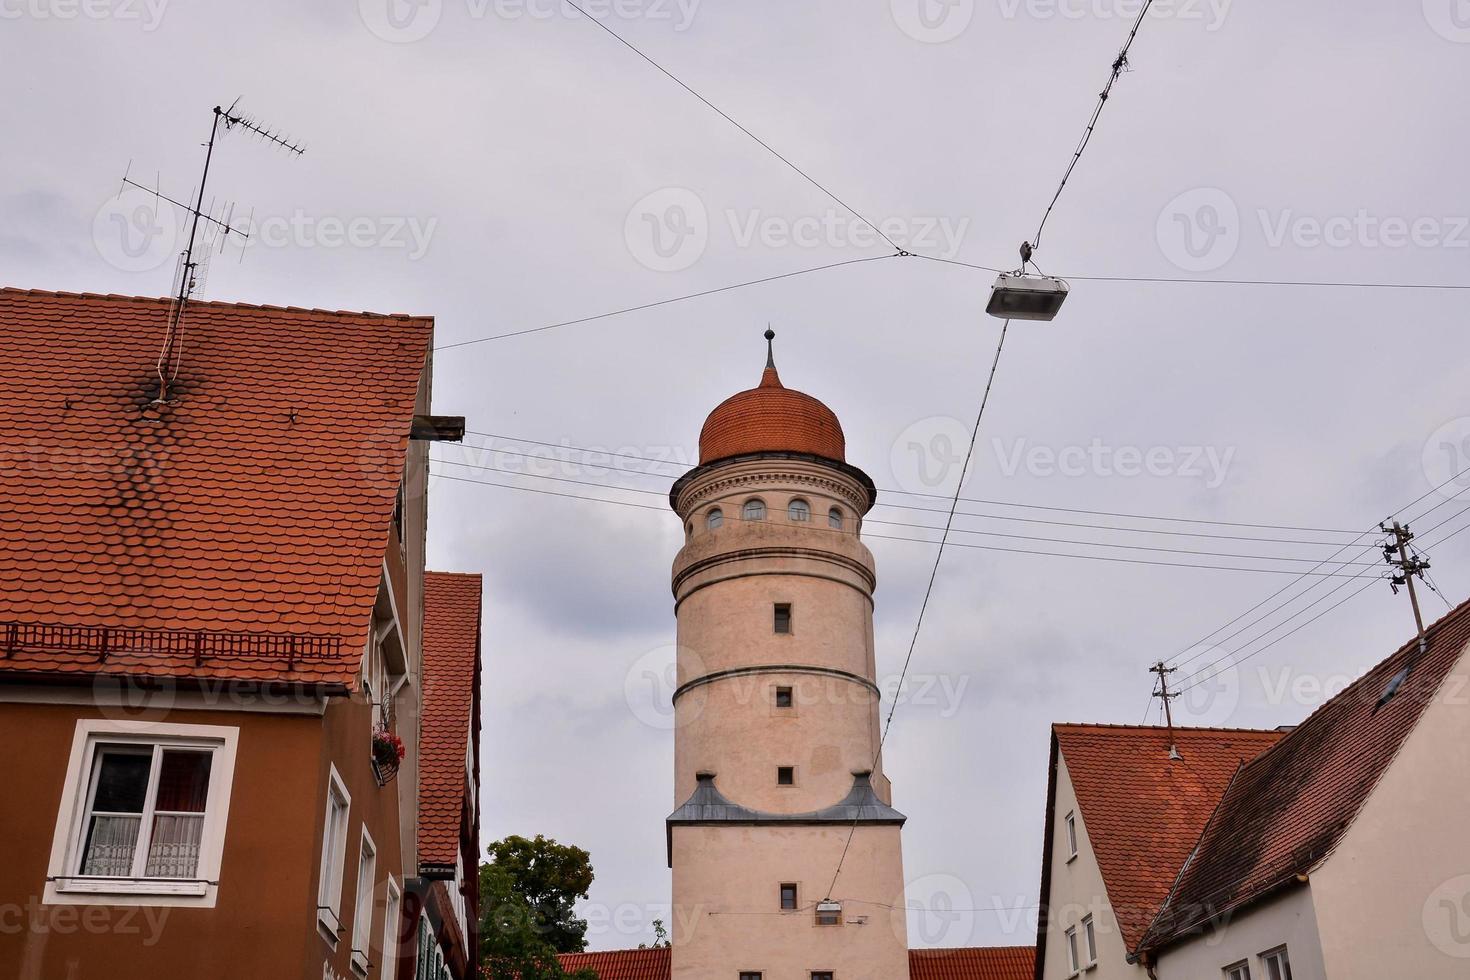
{"x": 1071, "y": 835}
{"x": 375, "y": 673}
{"x": 334, "y": 857}
{"x": 142, "y": 814}
{"x": 799, "y": 511}
{"x": 754, "y": 510}
{"x": 1074, "y": 963}
{"x": 1238, "y": 971}
{"x": 392, "y": 928}
{"x": 362, "y": 915}
{"x": 1276, "y": 964}
{"x": 1089, "y": 940}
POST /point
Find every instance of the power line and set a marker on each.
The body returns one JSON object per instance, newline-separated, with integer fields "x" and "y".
{"x": 1201, "y": 673}
{"x": 929, "y": 588}
{"x": 931, "y": 527}
{"x": 1411, "y": 504}
{"x": 968, "y": 265}
{"x": 662, "y": 302}
{"x": 680, "y": 465}
{"x": 726, "y": 116}
{"x": 924, "y": 541}
{"x": 1120, "y": 63}
{"x": 1191, "y": 280}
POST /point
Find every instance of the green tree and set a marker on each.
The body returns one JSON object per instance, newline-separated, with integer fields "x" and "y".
{"x": 528, "y": 895}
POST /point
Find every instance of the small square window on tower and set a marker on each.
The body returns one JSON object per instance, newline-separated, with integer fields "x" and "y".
{"x": 783, "y": 697}
{"x": 785, "y": 776}
{"x": 788, "y": 897}
{"x": 749, "y": 975}
{"x": 821, "y": 975}
{"x": 783, "y": 617}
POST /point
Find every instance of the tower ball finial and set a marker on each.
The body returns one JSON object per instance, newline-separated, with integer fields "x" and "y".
{"x": 770, "y": 348}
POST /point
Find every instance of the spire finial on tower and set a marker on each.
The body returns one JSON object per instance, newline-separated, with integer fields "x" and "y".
{"x": 769, "y": 378}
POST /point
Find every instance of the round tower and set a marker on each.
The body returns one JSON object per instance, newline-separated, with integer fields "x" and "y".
{"x": 777, "y": 706}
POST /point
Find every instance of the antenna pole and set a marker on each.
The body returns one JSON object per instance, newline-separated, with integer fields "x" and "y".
{"x": 188, "y": 268}
{"x": 198, "y": 207}
{"x": 1166, "y": 696}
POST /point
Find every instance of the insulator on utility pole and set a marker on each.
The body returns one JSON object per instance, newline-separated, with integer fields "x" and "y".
{"x": 1164, "y": 694}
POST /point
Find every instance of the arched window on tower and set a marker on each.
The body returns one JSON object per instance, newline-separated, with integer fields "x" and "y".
{"x": 755, "y": 510}
{"x": 799, "y": 510}
{"x": 834, "y": 518}
{"x": 714, "y": 518}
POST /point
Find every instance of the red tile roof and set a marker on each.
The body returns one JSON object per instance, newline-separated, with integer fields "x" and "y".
{"x": 976, "y": 963}
{"x": 621, "y": 964}
{"x": 451, "y": 678}
{"x": 1285, "y": 811}
{"x": 259, "y": 501}
{"x": 973, "y": 963}
{"x": 771, "y": 418}
{"x": 1143, "y": 812}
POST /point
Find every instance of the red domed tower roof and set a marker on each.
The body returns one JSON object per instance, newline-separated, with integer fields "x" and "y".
{"x": 771, "y": 418}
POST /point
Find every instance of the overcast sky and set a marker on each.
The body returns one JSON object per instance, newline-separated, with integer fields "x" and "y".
{"x": 508, "y": 165}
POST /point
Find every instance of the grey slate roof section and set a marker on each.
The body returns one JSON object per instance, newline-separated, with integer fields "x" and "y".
{"x": 707, "y": 806}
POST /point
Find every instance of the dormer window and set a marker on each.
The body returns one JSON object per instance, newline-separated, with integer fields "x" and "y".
{"x": 799, "y": 511}
{"x": 754, "y": 510}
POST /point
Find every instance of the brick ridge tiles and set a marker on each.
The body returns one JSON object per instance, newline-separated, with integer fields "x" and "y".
{"x": 215, "y": 303}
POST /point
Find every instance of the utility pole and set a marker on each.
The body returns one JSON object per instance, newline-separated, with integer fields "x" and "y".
{"x": 1164, "y": 695}
{"x": 1396, "y": 553}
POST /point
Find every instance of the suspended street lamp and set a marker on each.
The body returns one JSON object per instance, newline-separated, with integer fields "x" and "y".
{"x": 1019, "y": 296}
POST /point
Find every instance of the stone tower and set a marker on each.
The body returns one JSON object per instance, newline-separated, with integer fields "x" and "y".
{"x": 777, "y": 708}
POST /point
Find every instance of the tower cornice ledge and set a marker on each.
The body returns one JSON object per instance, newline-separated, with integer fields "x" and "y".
{"x": 707, "y": 806}
{"x": 733, "y": 672}
{"x": 693, "y": 572}
{"x": 753, "y": 469}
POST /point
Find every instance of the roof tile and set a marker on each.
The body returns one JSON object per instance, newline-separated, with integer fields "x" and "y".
{"x": 258, "y": 501}
{"x": 1143, "y": 812}
{"x": 973, "y": 963}
{"x": 451, "y": 677}
{"x": 1286, "y": 810}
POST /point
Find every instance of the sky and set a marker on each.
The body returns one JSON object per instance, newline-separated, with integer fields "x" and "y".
{"x": 505, "y": 165}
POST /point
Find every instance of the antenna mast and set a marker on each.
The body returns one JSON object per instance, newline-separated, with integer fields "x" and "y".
{"x": 189, "y": 272}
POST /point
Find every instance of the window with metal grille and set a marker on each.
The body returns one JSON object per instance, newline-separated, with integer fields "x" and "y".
{"x": 788, "y": 897}
{"x": 785, "y": 776}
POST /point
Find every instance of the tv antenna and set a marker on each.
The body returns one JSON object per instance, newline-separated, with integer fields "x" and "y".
{"x": 190, "y": 272}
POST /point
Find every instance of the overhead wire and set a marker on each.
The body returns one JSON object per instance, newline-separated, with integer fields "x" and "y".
{"x": 662, "y": 302}
{"x": 1199, "y": 676}
{"x": 929, "y": 587}
{"x": 684, "y": 466}
{"x": 957, "y": 530}
{"x": 899, "y": 249}
{"x": 1362, "y": 548}
{"x": 1120, "y": 64}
